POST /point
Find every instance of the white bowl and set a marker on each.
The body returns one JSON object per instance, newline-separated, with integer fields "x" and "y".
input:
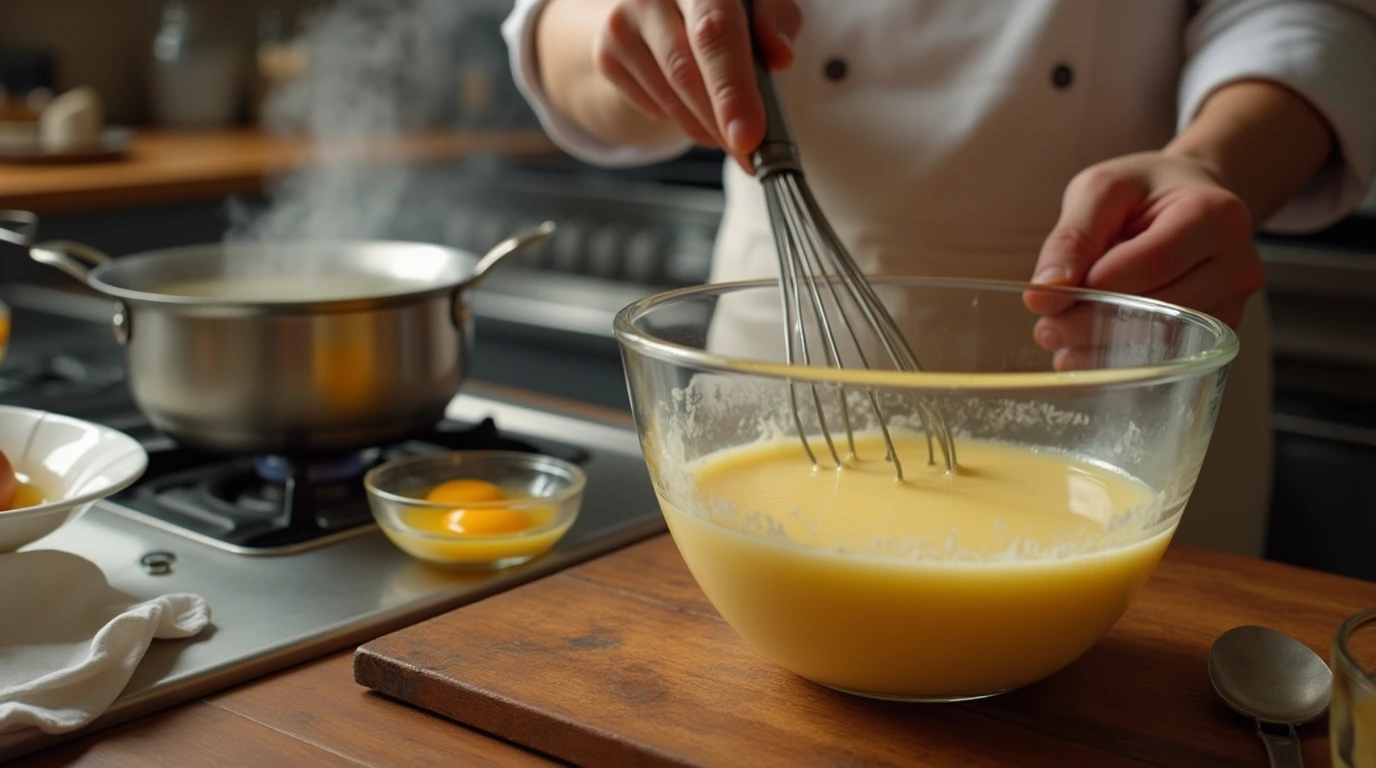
{"x": 75, "y": 463}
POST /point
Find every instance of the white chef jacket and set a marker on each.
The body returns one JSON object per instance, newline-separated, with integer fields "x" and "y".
{"x": 939, "y": 136}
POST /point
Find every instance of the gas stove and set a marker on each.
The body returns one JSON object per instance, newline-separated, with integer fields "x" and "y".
{"x": 285, "y": 551}
{"x": 272, "y": 505}
{"x": 68, "y": 364}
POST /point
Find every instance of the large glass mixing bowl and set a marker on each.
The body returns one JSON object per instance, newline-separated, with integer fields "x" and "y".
{"x": 1080, "y": 430}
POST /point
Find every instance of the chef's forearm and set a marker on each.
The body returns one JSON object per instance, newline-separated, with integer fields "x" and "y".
{"x": 1262, "y": 140}
{"x": 565, "y": 33}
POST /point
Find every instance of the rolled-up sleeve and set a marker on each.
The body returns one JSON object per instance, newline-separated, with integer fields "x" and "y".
{"x": 1324, "y": 50}
{"x": 519, "y": 32}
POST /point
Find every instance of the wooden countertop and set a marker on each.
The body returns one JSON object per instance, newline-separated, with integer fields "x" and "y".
{"x": 176, "y": 166}
{"x": 623, "y": 661}
{"x": 311, "y": 715}
{"x": 1163, "y": 713}
{"x": 315, "y": 714}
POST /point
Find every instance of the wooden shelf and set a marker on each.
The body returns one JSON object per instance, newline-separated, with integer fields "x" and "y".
{"x": 182, "y": 166}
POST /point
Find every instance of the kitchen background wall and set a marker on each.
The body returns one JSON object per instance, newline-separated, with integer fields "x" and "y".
{"x": 107, "y": 44}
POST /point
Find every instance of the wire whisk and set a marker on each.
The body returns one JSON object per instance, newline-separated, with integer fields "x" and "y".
{"x": 816, "y": 271}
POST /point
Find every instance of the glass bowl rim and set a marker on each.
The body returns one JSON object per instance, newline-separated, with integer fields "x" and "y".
{"x": 578, "y": 480}
{"x": 1343, "y": 654}
{"x": 1222, "y": 352}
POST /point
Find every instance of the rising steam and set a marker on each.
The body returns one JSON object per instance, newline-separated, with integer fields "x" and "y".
{"x": 374, "y": 70}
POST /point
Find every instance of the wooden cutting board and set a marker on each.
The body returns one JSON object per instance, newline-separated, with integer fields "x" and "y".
{"x": 622, "y": 661}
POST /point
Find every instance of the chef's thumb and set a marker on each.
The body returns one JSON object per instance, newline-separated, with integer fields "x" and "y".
{"x": 1094, "y": 211}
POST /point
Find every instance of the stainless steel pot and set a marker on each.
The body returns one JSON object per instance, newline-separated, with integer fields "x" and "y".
{"x": 290, "y": 348}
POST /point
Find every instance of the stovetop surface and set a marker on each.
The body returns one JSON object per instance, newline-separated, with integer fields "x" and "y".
{"x": 64, "y": 364}
{"x": 272, "y": 505}
{"x": 277, "y": 609}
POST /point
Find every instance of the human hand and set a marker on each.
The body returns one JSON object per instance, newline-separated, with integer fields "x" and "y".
{"x": 689, "y": 62}
{"x": 1148, "y": 224}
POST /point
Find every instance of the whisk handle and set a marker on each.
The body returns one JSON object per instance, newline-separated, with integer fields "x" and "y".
{"x": 776, "y": 151}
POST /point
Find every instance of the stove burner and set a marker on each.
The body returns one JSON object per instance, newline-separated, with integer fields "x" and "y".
{"x": 273, "y": 504}
{"x": 242, "y": 492}
{"x": 278, "y": 469}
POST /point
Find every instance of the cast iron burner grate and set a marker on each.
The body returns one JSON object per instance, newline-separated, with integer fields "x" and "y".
{"x": 78, "y": 382}
{"x": 265, "y": 505}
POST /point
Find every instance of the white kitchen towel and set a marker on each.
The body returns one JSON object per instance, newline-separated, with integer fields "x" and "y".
{"x": 69, "y": 642}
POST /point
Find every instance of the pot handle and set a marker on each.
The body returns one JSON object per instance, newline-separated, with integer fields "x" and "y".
{"x": 76, "y": 259}
{"x": 21, "y": 235}
{"x": 508, "y": 247}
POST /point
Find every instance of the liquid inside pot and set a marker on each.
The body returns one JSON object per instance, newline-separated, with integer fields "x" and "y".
{"x": 291, "y": 288}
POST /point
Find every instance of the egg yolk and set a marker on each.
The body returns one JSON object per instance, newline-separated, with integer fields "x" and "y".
{"x": 487, "y": 522}
{"x": 464, "y": 492}
{"x": 470, "y": 521}
{"x": 26, "y": 495}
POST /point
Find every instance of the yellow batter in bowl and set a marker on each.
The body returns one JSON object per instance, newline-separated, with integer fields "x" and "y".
{"x": 936, "y": 588}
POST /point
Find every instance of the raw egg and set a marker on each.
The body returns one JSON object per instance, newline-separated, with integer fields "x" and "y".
{"x": 27, "y": 495}
{"x": 464, "y": 492}
{"x": 475, "y": 509}
{"x": 14, "y": 492}
{"x": 472, "y": 521}
{"x": 9, "y": 483}
{"x": 487, "y": 522}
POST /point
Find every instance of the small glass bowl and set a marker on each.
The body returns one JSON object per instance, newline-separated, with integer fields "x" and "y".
{"x": 545, "y": 489}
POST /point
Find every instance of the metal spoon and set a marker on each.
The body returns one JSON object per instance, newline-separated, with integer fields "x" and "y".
{"x": 1274, "y": 679}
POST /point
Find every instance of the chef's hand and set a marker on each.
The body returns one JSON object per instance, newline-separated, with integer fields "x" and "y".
{"x": 1152, "y": 225}
{"x": 689, "y": 62}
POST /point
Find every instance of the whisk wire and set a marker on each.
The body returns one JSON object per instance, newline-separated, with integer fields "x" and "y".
{"x": 799, "y": 194}
{"x": 789, "y": 266}
{"x": 781, "y": 247}
{"x": 890, "y": 336}
{"x": 810, "y": 254}
{"x": 811, "y": 265}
